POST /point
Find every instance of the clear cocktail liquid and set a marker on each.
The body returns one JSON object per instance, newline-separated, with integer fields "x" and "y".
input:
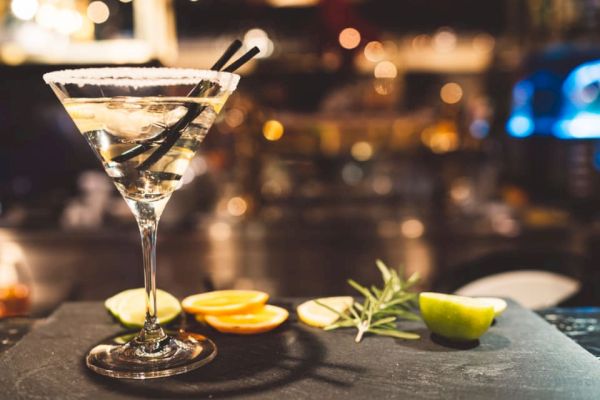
{"x": 113, "y": 126}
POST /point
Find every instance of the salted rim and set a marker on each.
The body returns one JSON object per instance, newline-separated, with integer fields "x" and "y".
{"x": 140, "y": 77}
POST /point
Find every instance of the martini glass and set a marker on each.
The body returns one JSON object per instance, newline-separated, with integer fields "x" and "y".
{"x": 145, "y": 125}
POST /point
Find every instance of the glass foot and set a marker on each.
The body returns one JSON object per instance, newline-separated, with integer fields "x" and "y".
{"x": 125, "y": 356}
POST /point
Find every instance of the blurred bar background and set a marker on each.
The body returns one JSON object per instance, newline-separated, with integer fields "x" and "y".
{"x": 457, "y": 138}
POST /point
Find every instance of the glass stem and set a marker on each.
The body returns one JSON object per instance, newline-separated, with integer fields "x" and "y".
{"x": 147, "y": 215}
{"x": 148, "y": 234}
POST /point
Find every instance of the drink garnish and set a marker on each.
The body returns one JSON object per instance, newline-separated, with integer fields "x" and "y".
{"x": 129, "y": 307}
{"x": 457, "y": 318}
{"x": 171, "y": 134}
{"x": 313, "y": 314}
{"x": 224, "y": 302}
{"x": 382, "y": 307}
{"x": 264, "y": 319}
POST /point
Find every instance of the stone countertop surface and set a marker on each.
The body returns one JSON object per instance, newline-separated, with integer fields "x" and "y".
{"x": 520, "y": 357}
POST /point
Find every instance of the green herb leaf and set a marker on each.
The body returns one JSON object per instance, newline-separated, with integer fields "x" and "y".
{"x": 382, "y": 307}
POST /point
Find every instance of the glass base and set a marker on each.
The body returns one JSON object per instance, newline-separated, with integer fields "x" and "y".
{"x": 125, "y": 356}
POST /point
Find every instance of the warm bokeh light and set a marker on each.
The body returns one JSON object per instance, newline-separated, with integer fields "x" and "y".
{"x": 12, "y": 54}
{"x": 441, "y": 138}
{"x": 484, "y": 42}
{"x": 374, "y": 51}
{"x": 237, "y": 206}
{"x": 385, "y": 69}
{"x": 390, "y": 48}
{"x": 349, "y": 38}
{"x": 412, "y": 228}
{"x": 420, "y": 42}
{"x": 451, "y": 93}
{"x": 383, "y": 86}
{"x": 220, "y": 231}
{"x": 444, "y": 40}
{"x": 98, "y": 12}
{"x": 461, "y": 190}
{"x": 259, "y": 38}
{"x": 47, "y": 16}
{"x": 382, "y": 185}
{"x": 234, "y": 117}
{"x": 362, "y": 151}
{"x": 273, "y": 130}
{"x": 24, "y": 9}
{"x": 68, "y": 21}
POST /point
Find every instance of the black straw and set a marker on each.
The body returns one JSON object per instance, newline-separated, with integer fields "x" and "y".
{"x": 174, "y": 132}
{"x": 142, "y": 148}
{"x": 242, "y": 60}
{"x": 233, "y": 47}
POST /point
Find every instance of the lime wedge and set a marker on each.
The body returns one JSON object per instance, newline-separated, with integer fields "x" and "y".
{"x": 456, "y": 317}
{"x": 314, "y": 314}
{"x": 496, "y": 302}
{"x": 129, "y": 307}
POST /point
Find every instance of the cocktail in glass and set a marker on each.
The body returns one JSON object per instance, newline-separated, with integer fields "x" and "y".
{"x": 145, "y": 125}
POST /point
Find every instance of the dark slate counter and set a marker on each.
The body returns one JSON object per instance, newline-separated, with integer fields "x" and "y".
{"x": 521, "y": 357}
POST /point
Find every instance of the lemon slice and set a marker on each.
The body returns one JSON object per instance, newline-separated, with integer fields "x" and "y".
{"x": 260, "y": 320}
{"x": 129, "y": 307}
{"x": 318, "y": 316}
{"x": 456, "y": 317}
{"x": 498, "y": 304}
{"x": 224, "y": 302}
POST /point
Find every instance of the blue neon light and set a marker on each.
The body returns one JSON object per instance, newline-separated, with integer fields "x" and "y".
{"x": 580, "y": 115}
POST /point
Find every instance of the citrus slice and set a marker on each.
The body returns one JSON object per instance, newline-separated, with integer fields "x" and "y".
{"x": 224, "y": 302}
{"x": 130, "y": 307}
{"x": 456, "y": 317}
{"x": 314, "y": 314}
{"x": 496, "y": 302}
{"x": 258, "y": 321}
{"x": 112, "y": 302}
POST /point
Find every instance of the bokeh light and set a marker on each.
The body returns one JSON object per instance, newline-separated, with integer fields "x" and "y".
{"x": 237, "y": 206}
{"x": 98, "y": 12}
{"x": 441, "y": 138}
{"x": 349, "y": 38}
{"x": 220, "y": 231}
{"x": 451, "y": 93}
{"x": 234, "y": 117}
{"x": 484, "y": 42}
{"x": 273, "y": 130}
{"x": 412, "y": 228}
{"x": 362, "y": 151}
{"x": 385, "y": 69}
{"x": 68, "y": 21}
{"x": 444, "y": 40}
{"x": 24, "y": 9}
{"x": 259, "y": 38}
{"x": 374, "y": 51}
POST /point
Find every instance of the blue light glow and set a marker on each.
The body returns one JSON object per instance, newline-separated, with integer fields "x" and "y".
{"x": 479, "y": 128}
{"x": 519, "y": 126}
{"x": 583, "y": 125}
{"x": 580, "y": 114}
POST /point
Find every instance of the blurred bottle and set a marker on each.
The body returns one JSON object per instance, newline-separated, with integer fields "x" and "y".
{"x": 15, "y": 287}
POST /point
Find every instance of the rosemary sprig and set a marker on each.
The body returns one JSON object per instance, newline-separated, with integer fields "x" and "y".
{"x": 382, "y": 307}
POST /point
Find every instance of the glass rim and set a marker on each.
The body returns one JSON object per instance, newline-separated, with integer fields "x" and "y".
{"x": 140, "y": 77}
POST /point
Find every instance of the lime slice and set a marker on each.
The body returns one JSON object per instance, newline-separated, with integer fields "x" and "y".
{"x": 496, "y": 302}
{"x": 314, "y": 314}
{"x": 112, "y": 302}
{"x": 129, "y": 307}
{"x": 456, "y": 317}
